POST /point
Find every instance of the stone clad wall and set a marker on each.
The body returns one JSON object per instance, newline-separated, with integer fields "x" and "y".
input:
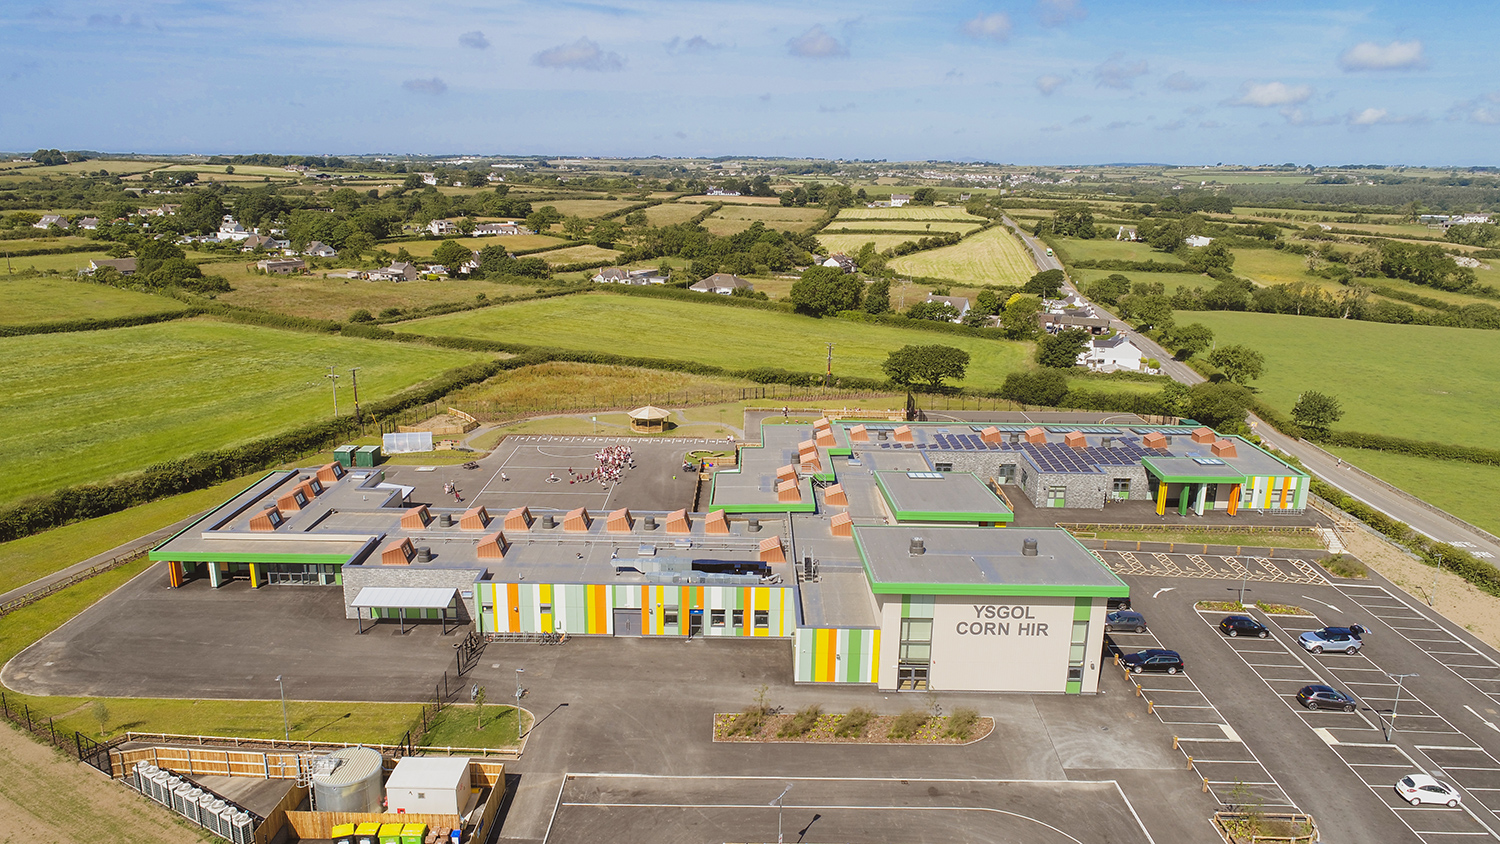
{"x": 462, "y": 579}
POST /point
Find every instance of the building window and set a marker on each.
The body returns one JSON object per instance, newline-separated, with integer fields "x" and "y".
{"x": 1076, "y": 651}
{"x": 545, "y": 608}
{"x": 1057, "y": 496}
{"x": 738, "y": 619}
{"x": 1007, "y": 474}
{"x": 916, "y": 641}
{"x": 669, "y": 616}
{"x": 1247, "y": 494}
{"x": 942, "y": 467}
{"x": 1122, "y": 488}
{"x": 1025, "y": 477}
{"x": 716, "y": 617}
{"x": 762, "y": 619}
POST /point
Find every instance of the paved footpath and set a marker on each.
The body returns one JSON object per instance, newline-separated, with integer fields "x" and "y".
{"x": 146, "y": 542}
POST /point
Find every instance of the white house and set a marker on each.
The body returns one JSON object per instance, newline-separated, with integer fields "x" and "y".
{"x": 1109, "y": 354}
{"x": 318, "y": 249}
{"x": 50, "y": 220}
{"x": 957, "y": 303}
{"x": 428, "y": 178}
{"x": 723, "y": 284}
{"x": 398, "y": 271}
{"x": 839, "y": 261}
{"x": 481, "y": 229}
{"x": 89, "y": 223}
{"x": 1197, "y": 240}
{"x": 441, "y": 227}
{"x": 900, "y": 199}
{"x": 230, "y": 229}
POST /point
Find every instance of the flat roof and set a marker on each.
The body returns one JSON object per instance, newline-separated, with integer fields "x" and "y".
{"x": 429, "y": 772}
{"x": 407, "y": 597}
{"x": 1193, "y": 470}
{"x": 927, "y": 496}
{"x": 979, "y": 561}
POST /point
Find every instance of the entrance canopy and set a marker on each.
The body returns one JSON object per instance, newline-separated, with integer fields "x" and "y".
{"x": 404, "y": 597}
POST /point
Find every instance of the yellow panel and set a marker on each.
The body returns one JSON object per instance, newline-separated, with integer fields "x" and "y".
{"x": 875, "y": 657}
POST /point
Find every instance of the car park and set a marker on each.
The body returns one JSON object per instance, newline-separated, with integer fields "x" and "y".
{"x": 1318, "y": 696}
{"x": 1125, "y": 620}
{"x": 1345, "y": 639}
{"x": 1242, "y": 625}
{"x": 1154, "y": 659}
{"x": 1418, "y": 789}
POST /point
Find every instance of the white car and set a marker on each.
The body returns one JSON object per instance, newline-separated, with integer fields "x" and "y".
{"x": 1417, "y": 789}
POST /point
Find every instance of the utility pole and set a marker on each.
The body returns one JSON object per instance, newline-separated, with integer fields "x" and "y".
{"x": 828, "y": 379}
{"x": 335, "y": 380}
{"x": 355, "y": 380}
{"x": 1432, "y": 596}
{"x": 780, "y": 799}
{"x": 1400, "y": 679}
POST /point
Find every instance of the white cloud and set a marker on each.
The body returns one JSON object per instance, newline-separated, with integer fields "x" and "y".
{"x": 474, "y": 40}
{"x": 995, "y": 27}
{"x": 582, "y": 54}
{"x": 816, "y": 43}
{"x": 1483, "y": 109}
{"x": 1049, "y": 83}
{"x": 1117, "y": 73}
{"x": 696, "y": 44}
{"x": 1271, "y": 94}
{"x": 433, "y": 86}
{"x": 1381, "y": 117}
{"x": 1397, "y": 55}
{"x": 1059, "y": 12}
{"x": 1180, "y": 81}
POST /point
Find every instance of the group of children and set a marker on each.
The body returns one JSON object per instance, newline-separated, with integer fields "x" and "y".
{"x": 613, "y": 460}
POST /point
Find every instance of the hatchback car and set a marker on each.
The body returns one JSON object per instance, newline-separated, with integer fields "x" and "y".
{"x": 1154, "y": 659}
{"x": 1319, "y": 696}
{"x": 1417, "y": 789}
{"x": 1125, "y": 620}
{"x": 1242, "y": 625}
{"x": 1344, "y": 639}
{"x": 1113, "y": 604}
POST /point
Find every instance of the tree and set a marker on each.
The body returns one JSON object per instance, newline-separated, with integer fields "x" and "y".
{"x": 1018, "y": 320}
{"x": 575, "y": 227}
{"x": 1047, "y": 283}
{"x": 101, "y": 715}
{"x": 934, "y": 311}
{"x": 822, "y": 291}
{"x": 1190, "y": 339}
{"x": 451, "y": 254}
{"x": 1219, "y": 404}
{"x": 929, "y": 365}
{"x": 986, "y": 304}
{"x": 1075, "y": 220}
{"x": 478, "y": 707}
{"x": 1043, "y": 388}
{"x": 923, "y": 196}
{"x": 1163, "y": 237}
{"x": 1317, "y": 410}
{"x": 878, "y": 297}
{"x": 606, "y": 232}
{"x": 1147, "y": 312}
{"x": 1214, "y": 256}
{"x": 201, "y": 212}
{"x": 1238, "y": 362}
{"x": 1061, "y": 350}
{"x": 1109, "y": 290}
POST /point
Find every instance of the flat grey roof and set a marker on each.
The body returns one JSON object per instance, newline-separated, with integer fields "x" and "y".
{"x": 408, "y": 597}
{"x": 939, "y": 493}
{"x": 840, "y": 597}
{"x": 978, "y": 561}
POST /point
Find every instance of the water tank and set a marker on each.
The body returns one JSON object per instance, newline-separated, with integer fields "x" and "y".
{"x": 354, "y": 786}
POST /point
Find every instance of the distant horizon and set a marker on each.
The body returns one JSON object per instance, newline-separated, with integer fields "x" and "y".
{"x": 971, "y": 80}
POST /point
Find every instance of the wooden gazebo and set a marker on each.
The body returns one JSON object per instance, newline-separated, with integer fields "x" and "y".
{"x": 649, "y": 419}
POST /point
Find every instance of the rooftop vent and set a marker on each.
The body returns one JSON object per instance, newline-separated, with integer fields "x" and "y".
{"x": 1028, "y": 548}
{"x": 752, "y": 525}
{"x": 918, "y": 547}
{"x": 445, "y": 520}
{"x": 648, "y": 522}
{"x": 424, "y": 554}
{"x": 548, "y": 522}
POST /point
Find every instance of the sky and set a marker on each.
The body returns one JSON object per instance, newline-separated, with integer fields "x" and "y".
{"x": 1023, "y": 82}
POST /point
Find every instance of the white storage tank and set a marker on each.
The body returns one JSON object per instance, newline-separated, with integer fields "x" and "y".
{"x": 354, "y": 783}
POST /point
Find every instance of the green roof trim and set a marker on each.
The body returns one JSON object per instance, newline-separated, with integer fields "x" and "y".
{"x": 1026, "y": 590}
{"x": 215, "y": 510}
{"x": 1210, "y": 474}
{"x": 230, "y": 557}
{"x": 1003, "y": 514}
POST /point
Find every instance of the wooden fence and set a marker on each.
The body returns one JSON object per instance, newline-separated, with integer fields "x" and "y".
{"x": 77, "y": 577}
{"x": 320, "y": 824}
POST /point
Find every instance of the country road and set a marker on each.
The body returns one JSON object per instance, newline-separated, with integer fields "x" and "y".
{"x": 1358, "y": 484}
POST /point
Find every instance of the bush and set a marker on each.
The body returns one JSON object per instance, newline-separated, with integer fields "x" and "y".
{"x": 908, "y": 723}
{"x": 805, "y": 719}
{"x": 961, "y": 723}
{"x": 1344, "y": 566}
{"x": 854, "y": 724}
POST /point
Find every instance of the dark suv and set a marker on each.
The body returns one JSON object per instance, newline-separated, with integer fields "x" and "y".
{"x": 1125, "y": 620}
{"x": 1154, "y": 659}
{"x": 1242, "y": 625}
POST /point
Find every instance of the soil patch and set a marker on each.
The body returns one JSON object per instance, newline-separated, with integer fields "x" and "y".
{"x": 825, "y": 731}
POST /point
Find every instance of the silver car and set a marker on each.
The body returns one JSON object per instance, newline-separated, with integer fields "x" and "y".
{"x": 1343, "y": 639}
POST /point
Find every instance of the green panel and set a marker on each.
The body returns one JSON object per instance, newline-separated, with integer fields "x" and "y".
{"x": 1074, "y": 687}
{"x": 1082, "y": 608}
{"x": 837, "y": 451}
{"x": 852, "y": 654}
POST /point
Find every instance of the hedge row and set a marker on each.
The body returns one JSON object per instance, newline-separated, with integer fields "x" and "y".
{"x": 89, "y": 324}
{"x": 205, "y": 469}
{"x": 1401, "y": 445}
{"x": 631, "y": 209}
{"x": 577, "y": 266}
{"x": 932, "y": 325}
{"x": 56, "y": 250}
{"x": 521, "y": 253}
{"x": 1148, "y": 266}
{"x": 709, "y": 211}
{"x": 681, "y": 294}
{"x": 1482, "y": 574}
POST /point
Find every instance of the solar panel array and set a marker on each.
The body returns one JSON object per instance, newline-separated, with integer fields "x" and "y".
{"x": 1048, "y": 457}
{"x": 1085, "y": 429}
{"x": 1171, "y": 432}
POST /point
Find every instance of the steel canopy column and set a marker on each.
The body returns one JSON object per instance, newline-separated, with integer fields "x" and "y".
{"x": 1234, "y": 498}
{"x": 1161, "y": 499}
{"x": 1202, "y": 499}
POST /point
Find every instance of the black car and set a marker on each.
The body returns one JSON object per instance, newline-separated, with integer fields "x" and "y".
{"x": 1319, "y": 696}
{"x": 1125, "y": 620}
{"x": 1242, "y": 625}
{"x": 1112, "y": 604}
{"x": 1154, "y": 659}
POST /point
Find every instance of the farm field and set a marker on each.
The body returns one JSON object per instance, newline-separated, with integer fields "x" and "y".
{"x": 511, "y": 242}
{"x": 908, "y": 212}
{"x": 68, "y": 262}
{"x": 851, "y": 243}
{"x": 734, "y": 338}
{"x": 732, "y": 200}
{"x": 993, "y": 256}
{"x": 336, "y": 298}
{"x": 1107, "y": 249}
{"x": 585, "y": 207}
{"x": 578, "y": 254}
{"x": 1415, "y": 381}
{"x": 1270, "y": 266}
{"x": 565, "y": 384}
{"x": 916, "y": 227}
{"x": 670, "y": 213}
{"x": 737, "y": 218}
{"x": 88, "y": 406}
{"x": 32, "y": 300}
{"x": 1169, "y": 281}
{"x": 1448, "y": 484}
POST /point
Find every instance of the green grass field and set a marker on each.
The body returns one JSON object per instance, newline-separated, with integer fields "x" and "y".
{"x": 1449, "y": 484}
{"x": 584, "y": 207}
{"x": 1107, "y": 249}
{"x": 908, "y": 212}
{"x": 735, "y": 338}
{"x": 918, "y": 227}
{"x": 670, "y": 213}
{"x": 32, "y": 300}
{"x": 1405, "y": 380}
{"x": 851, "y": 243}
{"x": 993, "y": 256}
{"x": 736, "y": 218}
{"x": 550, "y": 385}
{"x": 68, "y": 262}
{"x": 336, "y": 298}
{"x": 88, "y": 406}
{"x": 578, "y": 254}
{"x": 1169, "y": 281}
